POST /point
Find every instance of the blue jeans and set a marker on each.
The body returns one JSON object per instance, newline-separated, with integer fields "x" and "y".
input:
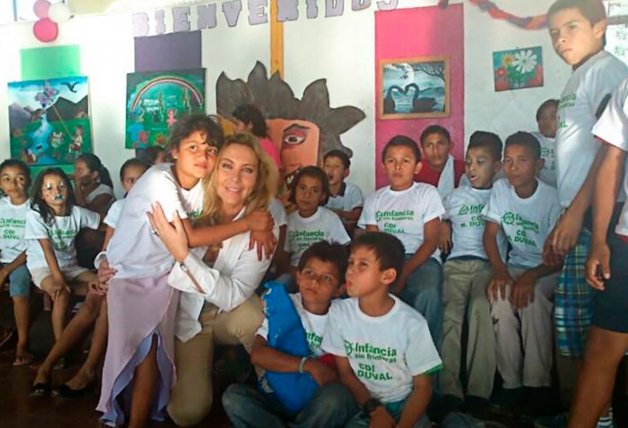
{"x": 19, "y": 282}
{"x": 247, "y": 407}
{"x": 395, "y": 409}
{"x": 424, "y": 292}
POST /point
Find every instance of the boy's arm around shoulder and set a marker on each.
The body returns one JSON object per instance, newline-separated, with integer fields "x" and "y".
{"x": 268, "y": 358}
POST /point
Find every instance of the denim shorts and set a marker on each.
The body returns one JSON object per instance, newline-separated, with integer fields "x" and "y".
{"x": 20, "y": 282}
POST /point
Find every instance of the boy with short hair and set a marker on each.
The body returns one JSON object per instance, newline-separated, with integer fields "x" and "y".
{"x": 466, "y": 277}
{"x": 320, "y": 277}
{"x": 577, "y": 29}
{"x": 388, "y": 374}
{"x": 345, "y": 199}
{"x": 606, "y": 269}
{"x": 522, "y": 290}
{"x": 410, "y": 211}
{"x": 440, "y": 169}
{"x": 546, "y": 134}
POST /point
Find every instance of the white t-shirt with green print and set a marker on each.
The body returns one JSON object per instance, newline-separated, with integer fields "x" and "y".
{"x": 61, "y": 232}
{"x": 313, "y": 324}
{"x": 526, "y": 222}
{"x": 12, "y": 224}
{"x": 384, "y": 352}
{"x": 548, "y": 146}
{"x": 463, "y": 208}
{"x": 403, "y": 213}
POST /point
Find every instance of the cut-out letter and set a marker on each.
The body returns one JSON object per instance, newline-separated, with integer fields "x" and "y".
{"x": 206, "y": 16}
{"x": 232, "y": 10}
{"x": 140, "y": 24}
{"x": 257, "y": 12}
{"x": 334, "y": 7}
{"x": 287, "y": 10}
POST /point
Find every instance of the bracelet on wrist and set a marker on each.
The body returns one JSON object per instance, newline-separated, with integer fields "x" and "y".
{"x": 302, "y": 363}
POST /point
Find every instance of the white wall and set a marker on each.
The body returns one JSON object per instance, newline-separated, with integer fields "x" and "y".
{"x": 339, "y": 49}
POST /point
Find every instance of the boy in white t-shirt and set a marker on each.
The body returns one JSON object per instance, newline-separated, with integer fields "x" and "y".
{"x": 345, "y": 199}
{"x": 606, "y": 269}
{"x": 410, "y": 211}
{"x": 546, "y": 122}
{"x": 466, "y": 276}
{"x": 577, "y": 29}
{"x": 320, "y": 277}
{"x": 383, "y": 348}
{"x": 521, "y": 291}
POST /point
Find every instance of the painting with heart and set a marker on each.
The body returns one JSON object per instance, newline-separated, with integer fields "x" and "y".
{"x": 49, "y": 121}
{"x": 414, "y": 88}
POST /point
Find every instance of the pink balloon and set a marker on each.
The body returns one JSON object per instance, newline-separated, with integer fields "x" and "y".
{"x": 41, "y": 8}
{"x": 45, "y": 30}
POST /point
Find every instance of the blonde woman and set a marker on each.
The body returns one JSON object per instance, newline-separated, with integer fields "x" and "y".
{"x": 218, "y": 303}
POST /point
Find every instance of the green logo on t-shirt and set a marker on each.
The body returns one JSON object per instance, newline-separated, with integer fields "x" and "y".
{"x": 366, "y": 351}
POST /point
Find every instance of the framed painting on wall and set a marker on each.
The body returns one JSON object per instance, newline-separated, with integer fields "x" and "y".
{"x": 412, "y": 88}
{"x": 518, "y": 68}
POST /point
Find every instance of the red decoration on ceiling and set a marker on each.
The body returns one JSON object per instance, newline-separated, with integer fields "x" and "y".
{"x": 528, "y": 22}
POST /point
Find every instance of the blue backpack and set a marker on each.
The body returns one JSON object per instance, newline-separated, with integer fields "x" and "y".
{"x": 286, "y": 334}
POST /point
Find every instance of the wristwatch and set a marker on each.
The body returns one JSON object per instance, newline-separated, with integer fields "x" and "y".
{"x": 370, "y": 405}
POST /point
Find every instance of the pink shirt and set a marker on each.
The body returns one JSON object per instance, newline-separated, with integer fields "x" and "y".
{"x": 271, "y": 150}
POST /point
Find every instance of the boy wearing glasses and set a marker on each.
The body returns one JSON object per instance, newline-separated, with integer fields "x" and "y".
{"x": 320, "y": 278}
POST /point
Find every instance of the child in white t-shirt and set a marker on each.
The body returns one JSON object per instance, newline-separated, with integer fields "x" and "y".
{"x": 466, "y": 277}
{"x": 320, "y": 277}
{"x": 606, "y": 269}
{"x": 383, "y": 349}
{"x": 51, "y": 228}
{"x": 14, "y": 181}
{"x": 311, "y": 222}
{"x": 410, "y": 211}
{"x": 93, "y": 313}
{"x": 345, "y": 199}
{"x": 546, "y": 122}
{"x": 521, "y": 291}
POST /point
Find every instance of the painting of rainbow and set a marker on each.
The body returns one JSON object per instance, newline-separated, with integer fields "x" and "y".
{"x": 155, "y": 101}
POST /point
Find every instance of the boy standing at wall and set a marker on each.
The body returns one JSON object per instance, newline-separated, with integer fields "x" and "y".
{"x": 410, "y": 211}
{"x": 440, "y": 169}
{"x": 522, "y": 290}
{"x": 345, "y": 199}
{"x": 388, "y": 374}
{"x": 577, "y": 29}
{"x": 466, "y": 276}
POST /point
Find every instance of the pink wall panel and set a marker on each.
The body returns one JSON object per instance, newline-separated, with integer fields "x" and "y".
{"x": 409, "y": 33}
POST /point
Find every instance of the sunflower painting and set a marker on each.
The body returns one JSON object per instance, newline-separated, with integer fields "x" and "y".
{"x": 518, "y": 68}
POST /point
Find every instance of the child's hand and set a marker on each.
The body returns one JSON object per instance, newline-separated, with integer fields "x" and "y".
{"x": 380, "y": 418}
{"x": 259, "y": 221}
{"x": 598, "y": 268}
{"x": 522, "y": 292}
{"x": 265, "y": 243}
{"x": 497, "y": 287}
{"x": 444, "y": 236}
{"x": 105, "y": 272}
{"x": 565, "y": 234}
{"x": 321, "y": 373}
{"x": 98, "y": 288}
{"x": 58, "y": 287}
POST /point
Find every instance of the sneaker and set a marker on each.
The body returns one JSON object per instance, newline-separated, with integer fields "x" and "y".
{"x": 506, "y": 401}
{"x": 556, "y": 421}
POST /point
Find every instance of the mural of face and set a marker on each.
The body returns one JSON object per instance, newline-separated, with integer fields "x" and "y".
{"x": 297, "y": 142}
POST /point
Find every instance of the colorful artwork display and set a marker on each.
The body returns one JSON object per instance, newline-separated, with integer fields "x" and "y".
{"x": 518, "y": 68}
{"x": 49, "y": 121}
{"x": 156, "y": 100}
{"x": 414, "y": 87}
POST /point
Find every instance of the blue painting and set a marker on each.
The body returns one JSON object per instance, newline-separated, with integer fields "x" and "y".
{"x": 414, "y": 88}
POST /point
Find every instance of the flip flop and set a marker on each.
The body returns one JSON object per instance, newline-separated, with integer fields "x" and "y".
{"x": 8, "y": 334}
{"x": 67, "y": 392}
{"x": 23, "y": 360}
{"x": 40, "y": 389}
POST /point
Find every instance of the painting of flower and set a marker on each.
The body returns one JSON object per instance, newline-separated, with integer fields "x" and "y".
{"x": 518, "y": 68}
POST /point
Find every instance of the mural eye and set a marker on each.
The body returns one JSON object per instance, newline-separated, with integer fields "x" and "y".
{"x": 294, "y": 135}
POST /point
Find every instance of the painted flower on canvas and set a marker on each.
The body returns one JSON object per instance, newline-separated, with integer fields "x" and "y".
{"x": 518, "y": 68}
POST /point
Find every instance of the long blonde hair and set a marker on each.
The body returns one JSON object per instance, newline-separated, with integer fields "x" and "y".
{"x": 265, "y": 183}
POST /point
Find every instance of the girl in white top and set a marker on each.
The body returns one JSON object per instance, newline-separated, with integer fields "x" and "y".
{"x": 311, "y": 222}
{"x": 51, "y": 227}
{"x": 14, "y": 181}
{"x": 141, "y": 305}
{"x": 218, "y": 300}
{"x": 93, "y": 313}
